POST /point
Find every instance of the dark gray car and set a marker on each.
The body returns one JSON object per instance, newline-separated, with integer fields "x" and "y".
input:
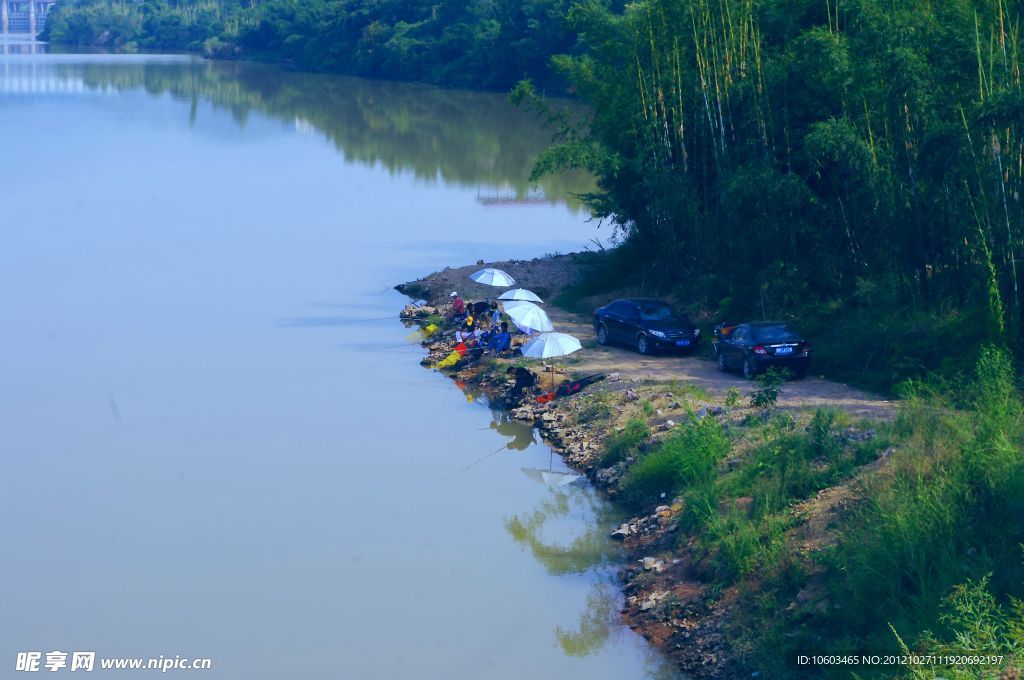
{"x": 647, "y": 325}
{"x": 753, "y": 347}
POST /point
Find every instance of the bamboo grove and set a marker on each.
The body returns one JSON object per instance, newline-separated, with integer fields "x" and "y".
{"x": 790, "y": 152}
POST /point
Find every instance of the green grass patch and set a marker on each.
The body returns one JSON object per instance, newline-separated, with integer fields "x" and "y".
{"x": 688, "y": 390}
{"x": 689, "y": 455}
{"x": 739, "y": 544}
{"x": 621, "y": 445}
{"x": 951, "y": 508}
{"x": 596, "y": 407}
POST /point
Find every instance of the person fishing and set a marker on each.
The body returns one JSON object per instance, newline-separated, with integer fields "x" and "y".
{"x": 458, "y": 305}
{"x": 468, "y": 328}
{"x": 525, "y": 379}
{"x": 500, "y": 340}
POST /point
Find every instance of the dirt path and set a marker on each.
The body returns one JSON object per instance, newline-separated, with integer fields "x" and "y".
{"x": 548, "y": 276}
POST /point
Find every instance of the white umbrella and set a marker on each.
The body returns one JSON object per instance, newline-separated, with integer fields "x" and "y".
{"x": 520, "y": 294}
{"x": 493, "y": 277}
{"x": 548, "y": 345}
{"x": 528, "y": 315}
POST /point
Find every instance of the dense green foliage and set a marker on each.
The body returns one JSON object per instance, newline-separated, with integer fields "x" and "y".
{"x": 855, "y": 165}
{"x": 486, "y": 44}
{"x": 952, "y": 509}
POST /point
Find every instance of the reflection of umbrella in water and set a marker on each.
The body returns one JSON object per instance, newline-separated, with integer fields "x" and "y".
{"x": 520, "y": 294}
{"x": 493, "y": 277}
{"x": 528, "y": 315}
{"x": 554, "y": 480}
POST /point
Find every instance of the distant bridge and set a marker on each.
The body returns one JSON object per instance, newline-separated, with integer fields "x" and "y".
{"x": 24, "y": 16}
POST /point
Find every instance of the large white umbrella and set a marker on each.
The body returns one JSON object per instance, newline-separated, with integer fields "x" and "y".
{"x": 520, "y": 294}
{"x": 528, "y": 315}
{"x": 493, "y": 277}
{"x": 548, "y": 345}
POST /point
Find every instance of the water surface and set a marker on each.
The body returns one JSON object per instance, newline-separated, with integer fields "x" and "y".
{"x": 216, "y": 440}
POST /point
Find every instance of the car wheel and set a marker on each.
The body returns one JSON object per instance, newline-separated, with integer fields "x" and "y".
{"x": 602, "y": 334}
{"x": 749, "y": 368}
{"x": 643, "y": 345}
{"x": 722, "y": 366}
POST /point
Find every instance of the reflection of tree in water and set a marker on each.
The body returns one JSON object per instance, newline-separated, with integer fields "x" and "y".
{"x": 521, "y": 434}
{"x": 462, "y": 137}
{"x": 596, "y": 623}
{"x": 588, "y": 550}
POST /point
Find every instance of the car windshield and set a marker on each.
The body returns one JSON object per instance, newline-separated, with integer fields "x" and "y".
{"x": 655, "y": 312}
{"x": 780, "y": 333}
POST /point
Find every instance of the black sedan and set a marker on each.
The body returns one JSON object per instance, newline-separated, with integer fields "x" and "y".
{"x": 648, "y": 325}
{"x": 753, "y": 347}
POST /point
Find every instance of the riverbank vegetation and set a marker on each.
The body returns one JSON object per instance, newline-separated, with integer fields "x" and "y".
{"x": 854, "y": 167}
{"x": 488, "y": 45}
{"x": 847, "y": 538}
{"x": 794, "y": 531}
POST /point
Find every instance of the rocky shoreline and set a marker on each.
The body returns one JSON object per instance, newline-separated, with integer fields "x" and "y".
{"x": 670, "y": 594}
{"x": 649, "y": 585}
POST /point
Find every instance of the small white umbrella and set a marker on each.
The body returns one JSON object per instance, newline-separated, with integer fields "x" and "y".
{"x": 548, "y": 345}
{"x": 520, "y": 294}
{"x": 493, "y": 277}
{"x": 528, "y": 315}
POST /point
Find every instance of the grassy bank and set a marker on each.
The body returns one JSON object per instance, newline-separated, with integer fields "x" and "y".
{"x": 821, "y": 534}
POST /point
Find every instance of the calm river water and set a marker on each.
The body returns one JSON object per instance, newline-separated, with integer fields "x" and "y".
{"x": 215, "y": 439}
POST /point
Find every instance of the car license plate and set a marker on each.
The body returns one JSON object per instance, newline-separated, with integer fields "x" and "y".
{"x": 682, "y": 343}
{"x": 783, "y": 350}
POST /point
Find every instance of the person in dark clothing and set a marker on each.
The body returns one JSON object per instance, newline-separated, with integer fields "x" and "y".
{"x": 525, "y": 380}
{"x": 501, "y": 340}
{"x": 481, "y": 309}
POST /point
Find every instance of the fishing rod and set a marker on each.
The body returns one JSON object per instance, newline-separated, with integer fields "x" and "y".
{"x": 400, "y": 361}
{"x": 476, "y": 462}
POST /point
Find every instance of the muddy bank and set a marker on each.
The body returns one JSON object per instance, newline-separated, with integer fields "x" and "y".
{"x": 672, "y": 595}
